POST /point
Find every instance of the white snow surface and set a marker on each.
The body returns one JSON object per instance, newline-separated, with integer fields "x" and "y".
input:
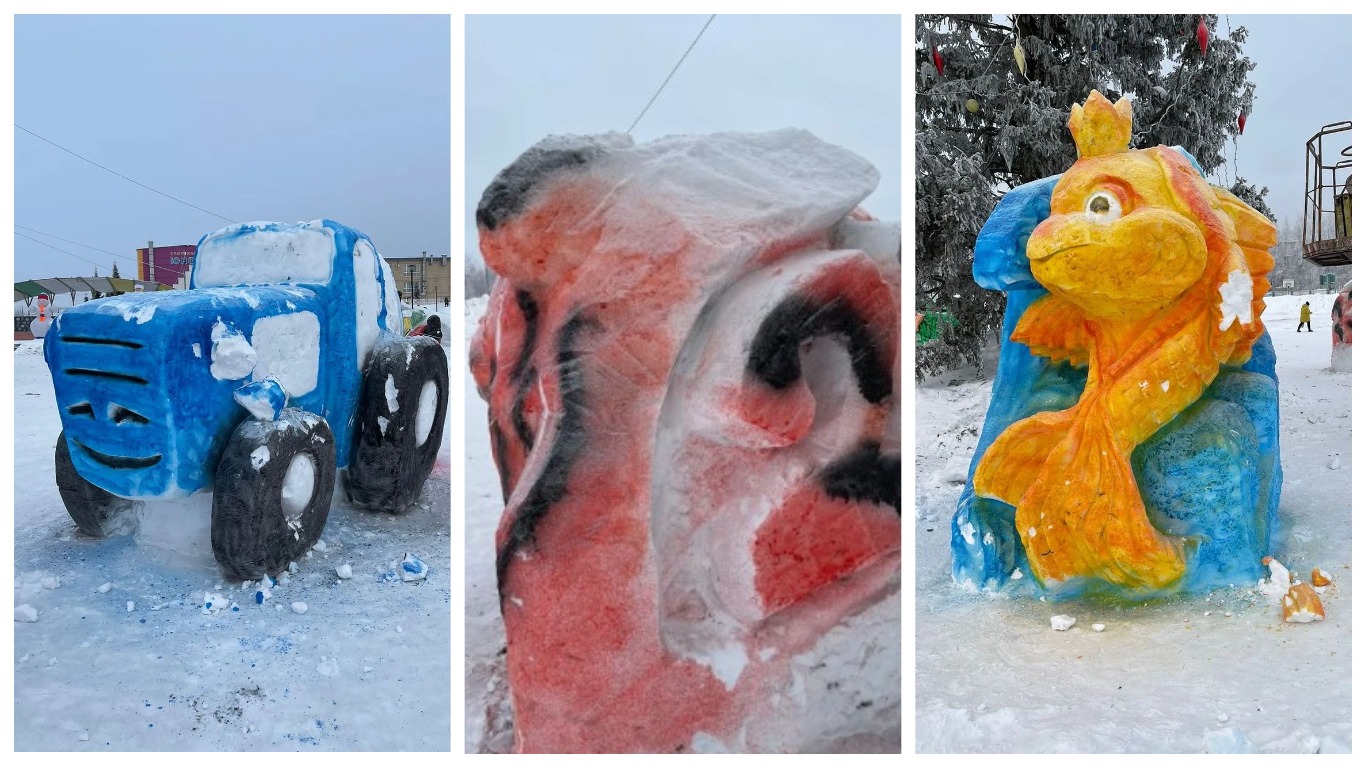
{"x": 232, "y": 355}
{"x": 1235, "y": 299}
{"x": 991, "y": 676}
{"x": 165, "y": 677}
{"x": 301, "y": 254}
{"x": 287, "y": 349}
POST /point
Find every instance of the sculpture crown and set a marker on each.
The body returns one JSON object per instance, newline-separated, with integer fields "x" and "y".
{"x": 1101, "y": 128}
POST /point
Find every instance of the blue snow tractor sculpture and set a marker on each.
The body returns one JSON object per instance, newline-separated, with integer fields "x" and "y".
{"x": 282, "y": 366}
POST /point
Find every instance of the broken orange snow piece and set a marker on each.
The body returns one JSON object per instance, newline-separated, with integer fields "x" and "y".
{"x": 1320, "y": 579}
{"x": 1301, "y": 605}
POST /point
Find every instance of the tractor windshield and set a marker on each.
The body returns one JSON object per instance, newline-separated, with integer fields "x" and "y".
{"x": 265, "y": 254}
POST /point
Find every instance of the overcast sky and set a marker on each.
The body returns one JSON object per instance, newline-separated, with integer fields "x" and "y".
{"x": 281, "y": 118}
{"x": 1304, "y": 81}
{"x": 527, "y": 77}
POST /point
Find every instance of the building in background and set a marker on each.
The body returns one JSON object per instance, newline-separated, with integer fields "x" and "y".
{"x": 422, "y": 278}
{"x": 166, "y": 264}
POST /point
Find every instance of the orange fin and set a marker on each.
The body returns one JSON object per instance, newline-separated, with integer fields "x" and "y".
{"x": 1086, "y": 518}
{"x": 1016, "y": 458}
{"x": 1054, "y": 328}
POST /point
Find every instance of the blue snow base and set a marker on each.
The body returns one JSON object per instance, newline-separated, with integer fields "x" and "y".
{"x": 145, "y": 382}
{"x": 1213, "y": 474}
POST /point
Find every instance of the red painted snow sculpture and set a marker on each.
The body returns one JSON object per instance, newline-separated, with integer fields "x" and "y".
{"x": 1342, "y": 330}
{"x": 691, "y": 361}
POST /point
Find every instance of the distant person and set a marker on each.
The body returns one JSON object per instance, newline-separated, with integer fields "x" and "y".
{"x": 433, "y": 327}
{"x": 1304, "y": 318}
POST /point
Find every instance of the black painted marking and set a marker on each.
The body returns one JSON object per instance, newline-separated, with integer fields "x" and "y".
{"x": 93, "y": 340}
{"x": 571, "y": 437}
{"x": 522, "y": 372}
{"x": 507, "y": 195}
{"x": 118, "y": 462}
{"x": 105, "y": 375}
{"x": 500, "y": 454}
{"x": 519, "y": 422}
{"x": 774, "y": 358}
{"x": 81, "y": 409}
{"x": 865, "y": 474}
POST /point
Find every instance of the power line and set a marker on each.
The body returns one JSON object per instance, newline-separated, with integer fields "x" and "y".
{"x": 55, "y": 248}
{"x": 671, "y": 74}
{"x": 121, "y": 176}
{"x": 73, "y": 242}
{"x": 91, "y": 247}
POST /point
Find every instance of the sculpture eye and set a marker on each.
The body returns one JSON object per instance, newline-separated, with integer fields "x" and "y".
{"x": 1103, "y": 206}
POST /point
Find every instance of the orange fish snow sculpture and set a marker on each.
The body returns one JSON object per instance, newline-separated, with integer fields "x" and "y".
{"x": 1155, "y": 281}
{"x": 690, "y": 358}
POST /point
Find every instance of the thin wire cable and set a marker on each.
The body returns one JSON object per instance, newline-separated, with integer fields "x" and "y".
{"x": 73, "y": 242}
{"x": 121, "y": 176}
{"x": 55, "y": 248}
{"x": 91, "y": 247}
{"x": 671, "y": 75}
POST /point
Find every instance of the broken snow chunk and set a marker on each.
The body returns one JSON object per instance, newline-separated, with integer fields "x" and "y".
{"x": 321, "y": 546}
{"x": 1320, "y": 578}
{"x": 1062, "y": 622}
{"x": 1279, "y": 582}
{"x": 293, "y": 567}
{"x": 344, "y": 571}
{"x": 233, "y": 607}
{"x": 83, "y": 736}
{"x": 215, "y": 602}
{"x": 1301, "y": 605}
{"x": 131, "y": 606}
{"x": 1098, "y": 627}
{"x": 105, "y": 587}
{"x": 25, "y": 613}
{"x": 1335, "y": 462}
{"x": 412, "y": 568}
{"x": 262, "y": 595}
{"x": 264, "y": 399}
{"x": 1016, "y": 575}
{"x": 51, "y": 582}
{"x": 232, "y": 355}
{"x": 299, "y": 607}
{"x": 260, "y": 457}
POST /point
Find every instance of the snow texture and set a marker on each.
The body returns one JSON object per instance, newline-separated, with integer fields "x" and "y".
{"x": 232, "y": 355}
{"x": 265, "y": 253}
{"x": 729, "y": 536}
{"x": 991, "y": 676}
{"x": 287, "y": 350}
{"x": 165, "y": 677}
{"x": 1235, "y": 300}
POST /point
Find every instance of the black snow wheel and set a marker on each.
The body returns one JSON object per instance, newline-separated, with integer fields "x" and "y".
{"x": 97, "y": 512}
{"x": 402, "y": 420}
{"x": 272, "y": 492}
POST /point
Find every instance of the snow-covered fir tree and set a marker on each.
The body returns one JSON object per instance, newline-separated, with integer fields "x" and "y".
{"x": 997, "y": 118}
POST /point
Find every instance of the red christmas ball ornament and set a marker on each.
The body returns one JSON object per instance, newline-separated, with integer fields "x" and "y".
{"x": 1202, "y": 36}
{"x": 938, "y": 60}
{"x": 1242, "y": 119}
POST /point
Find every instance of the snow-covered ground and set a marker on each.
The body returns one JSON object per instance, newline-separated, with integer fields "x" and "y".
{"x": 1192, "y": 674}
{"x": 138, "y": 666}
{"x": 488, "y": 716}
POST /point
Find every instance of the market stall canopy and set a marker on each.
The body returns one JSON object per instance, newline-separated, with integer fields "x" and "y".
{"x": 74, "y": 285}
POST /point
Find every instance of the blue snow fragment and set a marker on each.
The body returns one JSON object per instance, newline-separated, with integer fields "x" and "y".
{"x": 263, "y": 399}
{"x": 413, "y": 568}
{"x": 261, "y": 596}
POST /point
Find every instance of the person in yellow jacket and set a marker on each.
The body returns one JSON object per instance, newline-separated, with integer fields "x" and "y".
{"x": 1304, "y": 318}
